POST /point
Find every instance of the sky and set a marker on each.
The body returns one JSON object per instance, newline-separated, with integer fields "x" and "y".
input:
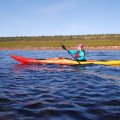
{"x": 59, "y": 17}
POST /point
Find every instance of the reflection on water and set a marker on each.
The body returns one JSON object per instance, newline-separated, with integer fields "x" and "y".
{"x": 50, "y": 67}
{"x": 55, "y": 92}
{"x": 18, "y": 67}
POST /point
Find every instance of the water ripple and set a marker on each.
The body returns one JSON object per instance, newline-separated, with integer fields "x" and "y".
{"x": 54, "y": 92}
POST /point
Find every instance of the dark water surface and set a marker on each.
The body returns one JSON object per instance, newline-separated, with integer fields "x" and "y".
{"x": 55, "y": 92}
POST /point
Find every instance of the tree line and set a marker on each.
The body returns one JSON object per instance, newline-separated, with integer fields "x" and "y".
{"x": 62, "y": 37}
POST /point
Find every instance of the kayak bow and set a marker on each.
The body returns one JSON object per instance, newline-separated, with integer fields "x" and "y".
{"x": 62, "y": 61}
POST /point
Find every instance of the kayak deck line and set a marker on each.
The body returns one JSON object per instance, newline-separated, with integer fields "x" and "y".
{"x": 61, "y": 61}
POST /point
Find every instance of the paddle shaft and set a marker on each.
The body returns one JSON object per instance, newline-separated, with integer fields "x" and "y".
{"x": 69, "y": 53}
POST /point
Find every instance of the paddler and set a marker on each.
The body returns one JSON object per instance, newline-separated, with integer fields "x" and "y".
{"x": 79, "y": 53}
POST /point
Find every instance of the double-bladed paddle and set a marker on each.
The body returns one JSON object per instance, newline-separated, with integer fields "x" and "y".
{"x": 69, "y": 52}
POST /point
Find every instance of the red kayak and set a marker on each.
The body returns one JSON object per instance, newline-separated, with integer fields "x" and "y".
{"x": 62, "y": 61}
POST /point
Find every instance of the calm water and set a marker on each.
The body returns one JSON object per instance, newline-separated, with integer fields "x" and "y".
{"x": 54, "y": 92}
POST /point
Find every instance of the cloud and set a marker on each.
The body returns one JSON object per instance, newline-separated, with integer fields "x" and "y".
{"x": 55, "y": 8}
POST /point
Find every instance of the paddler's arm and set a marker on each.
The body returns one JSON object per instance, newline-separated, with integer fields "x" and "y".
{"x": 72, "y": 52}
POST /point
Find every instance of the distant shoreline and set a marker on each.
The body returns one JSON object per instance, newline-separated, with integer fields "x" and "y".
{"x": 59, "y": 48}
{"x": 91, "y": 42}
{"x": 103, "y": 48}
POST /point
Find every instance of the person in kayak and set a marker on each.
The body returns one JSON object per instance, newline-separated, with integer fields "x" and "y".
{"x": 79, "y": 53}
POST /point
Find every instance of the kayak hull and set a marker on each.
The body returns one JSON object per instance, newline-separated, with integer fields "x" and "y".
{"x": 62, "y": 61}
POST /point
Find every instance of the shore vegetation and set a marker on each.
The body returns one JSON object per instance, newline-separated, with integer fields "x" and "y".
{"x": 41, "y": 42}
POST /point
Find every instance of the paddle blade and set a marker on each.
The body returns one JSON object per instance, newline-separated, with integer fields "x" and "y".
{"x": 63, "y": 47}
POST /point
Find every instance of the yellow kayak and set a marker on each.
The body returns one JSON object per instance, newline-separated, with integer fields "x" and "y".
{"x": 62, "y": 61}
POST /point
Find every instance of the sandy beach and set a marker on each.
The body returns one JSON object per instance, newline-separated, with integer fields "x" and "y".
{"x": 103, "y": 48}
{"x": 59, "y": 48}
